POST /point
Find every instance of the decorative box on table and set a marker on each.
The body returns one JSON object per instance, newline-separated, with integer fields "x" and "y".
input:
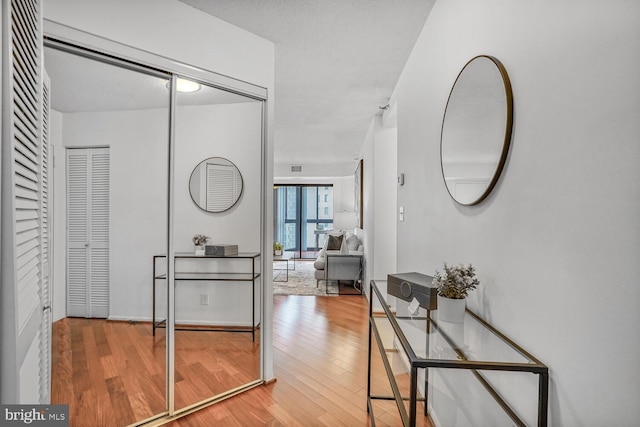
{"x": 221, "y": 250}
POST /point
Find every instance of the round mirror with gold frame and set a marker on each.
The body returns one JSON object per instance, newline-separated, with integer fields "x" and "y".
{"x": 476, "y": 130}
{"x": 216, "y": 184}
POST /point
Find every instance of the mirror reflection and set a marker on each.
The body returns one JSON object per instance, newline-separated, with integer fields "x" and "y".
{"x": 106, "y": 120}
{"x": 108, "y": 362}
{"x": 476, "y": 130}
{"x": 215, "y": 184}
{"x": 217, "y": 299}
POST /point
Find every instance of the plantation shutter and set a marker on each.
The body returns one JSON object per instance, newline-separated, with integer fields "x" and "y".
{"x": 88, "y": 232}
{"x": 24, "y": 216}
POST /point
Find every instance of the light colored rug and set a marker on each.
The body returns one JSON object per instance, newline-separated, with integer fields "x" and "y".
{"x": 301, "y": 280}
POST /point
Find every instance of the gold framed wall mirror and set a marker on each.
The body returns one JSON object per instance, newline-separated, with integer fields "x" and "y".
{"x": 476, "y": 130}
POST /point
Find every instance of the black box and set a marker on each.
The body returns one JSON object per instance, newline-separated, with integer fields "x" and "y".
{"x": 221, "y": 250}
{"x": 407, "y": 286}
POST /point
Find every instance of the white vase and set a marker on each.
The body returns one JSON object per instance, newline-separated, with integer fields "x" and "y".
{"x": 277, "y": 252}
{"x": 451, "y": 310}
{"x": 199, "y": 249}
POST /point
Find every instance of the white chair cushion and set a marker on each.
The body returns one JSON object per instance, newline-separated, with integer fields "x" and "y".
{"x": 344, "y": 249}
{"x": 352, "y": 242}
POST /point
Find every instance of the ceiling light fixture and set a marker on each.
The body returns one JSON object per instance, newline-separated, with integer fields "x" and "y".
{"x": 186, "y": 86}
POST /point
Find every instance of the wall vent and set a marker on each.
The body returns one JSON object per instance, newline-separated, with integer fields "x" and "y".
{"x": 296, "y": 168}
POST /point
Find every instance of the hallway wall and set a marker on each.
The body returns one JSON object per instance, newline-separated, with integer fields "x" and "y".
{"x": 557, "y": 243}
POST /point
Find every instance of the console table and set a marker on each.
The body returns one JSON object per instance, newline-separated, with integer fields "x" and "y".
{"x": 285, "y": 257}
{"x": 248, "y": 274}
{"x": 423, "y": 359}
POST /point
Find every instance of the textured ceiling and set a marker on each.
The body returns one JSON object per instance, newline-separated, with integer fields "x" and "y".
{"x": 337, "y": 62}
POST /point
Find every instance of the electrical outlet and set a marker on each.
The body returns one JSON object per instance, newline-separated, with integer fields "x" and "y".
{"x": 204, "y": 299}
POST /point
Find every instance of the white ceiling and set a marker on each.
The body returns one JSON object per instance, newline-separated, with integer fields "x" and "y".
{"x": 337, "y": 62}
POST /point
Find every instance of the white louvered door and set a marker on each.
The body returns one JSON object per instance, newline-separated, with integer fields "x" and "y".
{"x": 25, "y": 343}
{"x": 88, "y": 232}
{"x": 45, "y": 238}
{"x": 221, "y": 195}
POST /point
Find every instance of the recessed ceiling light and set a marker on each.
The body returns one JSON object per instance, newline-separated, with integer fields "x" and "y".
{"x": 186, "y": 86}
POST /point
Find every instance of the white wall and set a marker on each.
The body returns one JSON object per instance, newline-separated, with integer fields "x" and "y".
{"x": 386, "y": 193}
{"x": 557, "y": 243}
{"x": 172, "y": 29}
{"x": 314, "y": 170}
{"x": 233, "y": 132}
{"x": 138, "y": 147}
{"x": 379, "y": 154}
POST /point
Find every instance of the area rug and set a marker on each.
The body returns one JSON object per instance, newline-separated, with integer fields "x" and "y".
{"x": 301, "y": 280}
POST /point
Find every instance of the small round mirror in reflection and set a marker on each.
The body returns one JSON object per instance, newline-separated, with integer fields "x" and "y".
{"x": 476, "y": 130}
{"x": 215, "y": 184}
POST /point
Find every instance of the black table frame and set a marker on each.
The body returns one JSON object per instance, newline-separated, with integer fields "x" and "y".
{"x": 197, "y": 276}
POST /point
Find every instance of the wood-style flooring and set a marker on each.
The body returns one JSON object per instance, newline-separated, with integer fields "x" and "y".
{"x": 320, "y": 362}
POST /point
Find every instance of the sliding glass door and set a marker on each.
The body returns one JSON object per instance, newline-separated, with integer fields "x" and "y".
{"x": 303, "y": 216}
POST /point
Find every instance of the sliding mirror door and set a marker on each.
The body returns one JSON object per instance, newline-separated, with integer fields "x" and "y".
{"x": 110, "y": 134}
{"x": 218, "y": 194}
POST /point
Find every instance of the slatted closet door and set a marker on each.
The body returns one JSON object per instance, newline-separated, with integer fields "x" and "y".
{"x": 221, "y": 195}
{"x": 45, "y": 294}
{"x": 24, "y": 215}
{"x": 88, "y": 232}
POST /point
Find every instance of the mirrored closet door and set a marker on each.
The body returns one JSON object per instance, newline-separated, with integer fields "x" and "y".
{"x": 217, "y": 166}
{"x": 110, "y": 135}
{"x": 158, "y": 236}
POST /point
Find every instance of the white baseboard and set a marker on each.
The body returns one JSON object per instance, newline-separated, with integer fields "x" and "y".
{"x": 181, "y": 321}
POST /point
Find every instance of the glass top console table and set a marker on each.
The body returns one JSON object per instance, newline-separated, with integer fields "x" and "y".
{"x": 243, "y": 267}
{"x": 456, "y": 373}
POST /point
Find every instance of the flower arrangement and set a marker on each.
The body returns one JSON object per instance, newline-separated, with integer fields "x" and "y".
{"x": 200, "y": 239}
{"x": 456, "y": 281}
{"x": 277, "y": 246}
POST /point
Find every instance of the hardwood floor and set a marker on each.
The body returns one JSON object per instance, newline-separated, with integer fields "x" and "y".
{"x": 320, "y": 362}
{"x": 110, "y": 373}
